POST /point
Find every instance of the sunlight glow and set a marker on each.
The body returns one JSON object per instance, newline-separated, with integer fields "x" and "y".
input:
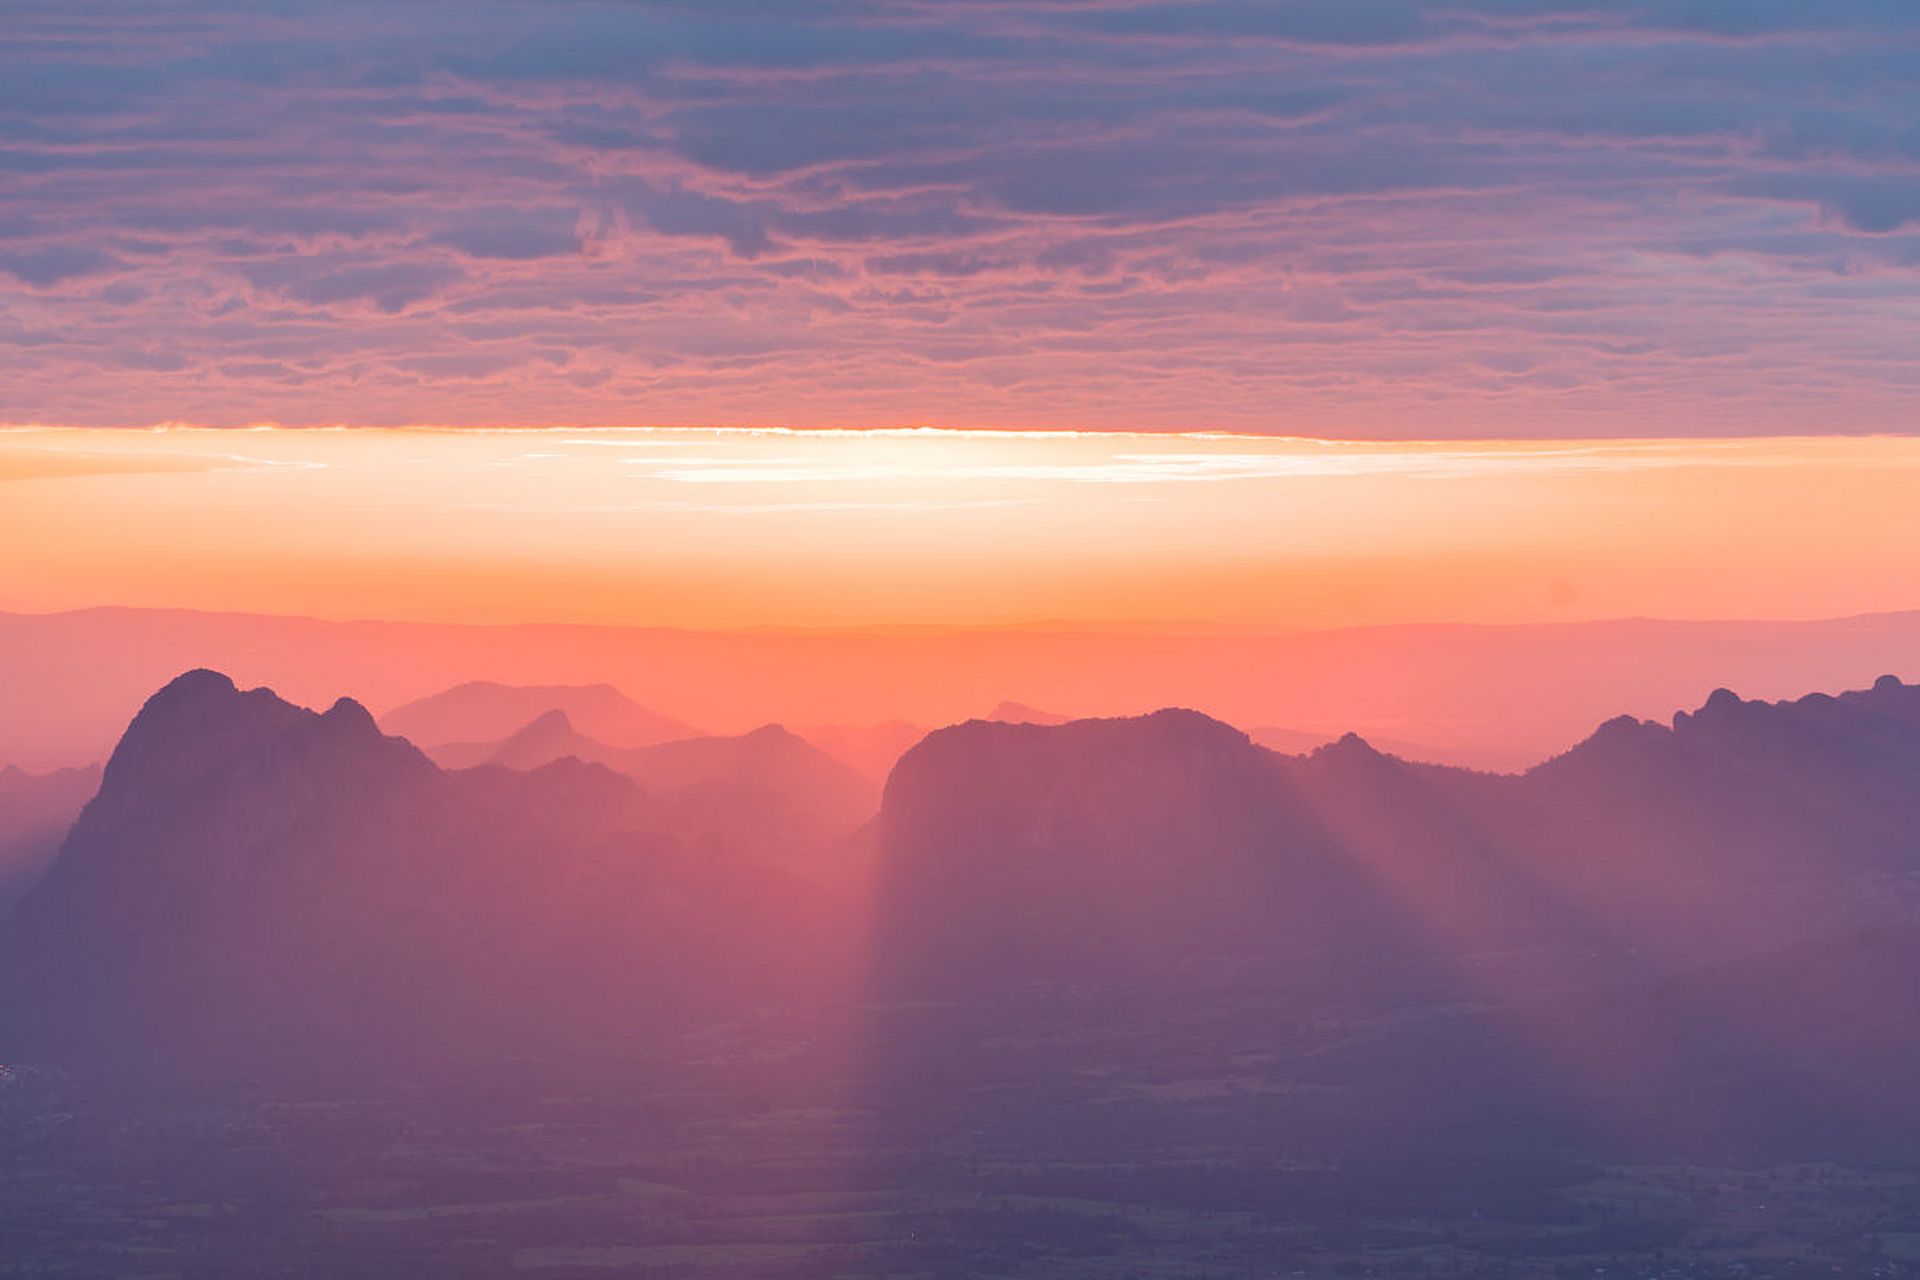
{"x": 715, "y": 528}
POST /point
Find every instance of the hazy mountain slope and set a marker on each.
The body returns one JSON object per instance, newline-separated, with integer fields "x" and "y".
{"x": 766, "y": 789}
{"x": 1116, "y": 851}
{"x": 869, "y": 750}
{"x": 1690, "y": 941}
{"x": 548, "y": 737}
{"x": 1742, "y": 826}
{"x": 1410, "y": 949}
{"x": 36, "y": 811}
{"x": 1294, "y": 742}
{"x": 486, "y": 711}
{"x": 258, "y": 883}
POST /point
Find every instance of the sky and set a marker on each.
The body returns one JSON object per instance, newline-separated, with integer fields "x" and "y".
{"x": 1377, "y": 219}
{"x": 733, "y": 529}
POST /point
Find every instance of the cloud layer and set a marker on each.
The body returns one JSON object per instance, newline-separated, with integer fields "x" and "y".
{"x": 1381, "y": 217}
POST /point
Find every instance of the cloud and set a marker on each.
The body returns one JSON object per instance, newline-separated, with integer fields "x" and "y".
{"x": 1871, "y": 203}
{"x": 53, "y": 264}
{"x": 391, "y": 287}
{"x": 1379, "y": 216}
{"x": 1355, "y": 22}
{"x": 22, "y": 462}
{"x": 513, "y": 234}
{"x": 672, "y": 210}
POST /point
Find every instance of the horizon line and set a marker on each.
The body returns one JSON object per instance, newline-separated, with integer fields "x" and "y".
{"x": 1157, "y": 629}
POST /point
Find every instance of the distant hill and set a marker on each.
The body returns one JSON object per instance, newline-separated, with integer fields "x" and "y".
{"x": 1127, "y": 850}
{"x": 484, "y": 711}
{"x": 1736, "y": 827}
{"x": 258, "y": 886}
{"x": 870, "y": 750}
{"x": 1011, "y": 712}
{"x": 549, "y": 736}
{"x": 768, "y": 765}
{"x": 1486, "y": 696}
{"x": 769, "y": 786}
{"x": 1296, "y": 742}
{"x": 1691, "y": 938}
{"x": 36, "y": 811}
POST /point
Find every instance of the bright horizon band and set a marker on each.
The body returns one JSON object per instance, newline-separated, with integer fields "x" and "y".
{"x": 779, "y": 528}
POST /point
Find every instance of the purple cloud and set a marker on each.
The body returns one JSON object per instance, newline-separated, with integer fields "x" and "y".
{"x": 55, "y": 263}
{"x": 1377, "y": 216}
{"x": 514, "y": 234}
{"x": 391, "y": 287}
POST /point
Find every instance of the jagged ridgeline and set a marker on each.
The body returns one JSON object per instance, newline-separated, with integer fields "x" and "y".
{"x": 1723, "y": 903}
{"x": 258, "y": 886}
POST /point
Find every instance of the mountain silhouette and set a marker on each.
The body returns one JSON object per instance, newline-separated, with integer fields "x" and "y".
{"x": 869, "y": 750}
{"x": 482, "y": 711}
{"x": 1011, "y": 712}
{"x": 1303, "y": 741}
{"x": 1494, "y": 696}
{"x": 1126, "y": 850}
{"x": 547, "y": 737}
{"x": 1710, "y": 903}
{"x": 258, "y": 886}
{"x": 1740, "y": 826}
{"x": 770, "y": 760}
{"x": 768, "y": 786}
{"x": 1693, "y": 939}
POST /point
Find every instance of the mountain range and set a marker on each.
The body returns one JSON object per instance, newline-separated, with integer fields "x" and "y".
{"x": 1665, "y": 908}
{"x": 1742, "y": 825}
{"x": 481, "y": 711}
{"x": 258, "y": 886}
{"x": 1692, "y": 938}
{"x": 1487, "y": 696}
{"x": 769, "y": 787}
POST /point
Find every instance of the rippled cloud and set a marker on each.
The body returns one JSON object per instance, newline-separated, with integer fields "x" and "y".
{"x": 1382, "y": 217}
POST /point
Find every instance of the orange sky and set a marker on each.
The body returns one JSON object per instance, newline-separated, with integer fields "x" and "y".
{"x": 745, "y": 529}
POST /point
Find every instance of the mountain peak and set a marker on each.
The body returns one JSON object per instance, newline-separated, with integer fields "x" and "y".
{"x": 547, "y": 737}
{"x": 348, "y": 713}
{"x": 486, "y": 711}
{"x": 1011, "y": 712}
{"x": 1195, "y": 726}
{"x": 196, "y": 717}
{"x": 554, "y": 721}
{"x": 199, "y": 683}
{"x": 1721, "y": 699}
{"x": 1722, "y": 708}
{"x": 964, "y": 758}
{"x": 192, "y": 696}
{"x": 1349, "y": 745}
{"x": 201, "y": 723}
{"x": 1627, "y": 728}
